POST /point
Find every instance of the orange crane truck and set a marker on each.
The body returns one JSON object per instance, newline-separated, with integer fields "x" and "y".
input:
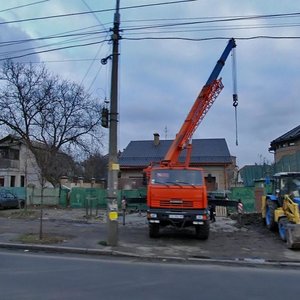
{"x": 176, "y": 192}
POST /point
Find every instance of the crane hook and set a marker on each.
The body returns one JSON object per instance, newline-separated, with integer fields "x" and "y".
{"x": 234, "y": 94}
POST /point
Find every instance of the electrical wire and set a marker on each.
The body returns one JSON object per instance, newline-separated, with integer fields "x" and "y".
{"x": 55, "y": 49}
{"x": 95, "y": 11}
{"x": 215, "y": 28}
{"x": 60, "y": 61}
{"x": 79, "y": 35}
{"x": 171, "y": 30}
{"x": 200, "y": 18}
{"x": 24, "y": 5}
{"x": 212, "y": 21}
{"x": 12, "y": 52}
{"x": 99, "y": 49}
{"x": 14, "y": 42}
{"x": 78, "y": 32}
{"x": 91, "y": 64}
{"x": 212, "y": 38}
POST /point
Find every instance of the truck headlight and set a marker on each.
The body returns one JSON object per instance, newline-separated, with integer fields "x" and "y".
{"x": 152, "y": 215}
{"x": 199, "y": 217}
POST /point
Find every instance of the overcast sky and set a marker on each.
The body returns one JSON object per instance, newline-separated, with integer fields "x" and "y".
{"x": 160, "y": 78}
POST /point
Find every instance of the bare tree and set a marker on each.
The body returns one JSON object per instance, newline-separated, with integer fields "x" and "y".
{"x": 95, "y": 166}
{"x": 47, "y": 112}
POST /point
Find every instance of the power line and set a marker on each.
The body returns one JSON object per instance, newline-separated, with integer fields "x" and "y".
{"x": 195, "y": 18}
{"x": 217, "y": 28}
{"x": 55, "y": 49}
{"x": 213, "y": 21}
{"x": 91, "y": 64}
{"x": 62, "y": 61}
{"x": 130, "y": 29}
{"x": 13, "y": 42}
{"x": 49, "y": 45}
{"x": 24, "y": 5}
{"x": 100, "y": 47}
{"x": 212, "y": 38}
{"x": 171, "y": 30}
{"x": 94, "y": 11}
{"x": 95, "y": 16}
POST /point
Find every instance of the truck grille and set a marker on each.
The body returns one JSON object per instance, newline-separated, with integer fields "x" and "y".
{"x": 176, "y": 203}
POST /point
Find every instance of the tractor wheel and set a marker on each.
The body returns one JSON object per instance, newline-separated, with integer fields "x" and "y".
{"x": 270, "y": 216}
{"x": 282, "y": 228}
{"x": 202, "y": 231}
{"x": 153, "y": 230}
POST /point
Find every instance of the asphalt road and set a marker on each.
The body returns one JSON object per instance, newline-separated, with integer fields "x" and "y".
{"x": 41, "y": 276}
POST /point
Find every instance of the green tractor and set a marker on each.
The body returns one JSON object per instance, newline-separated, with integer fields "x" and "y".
{"x": 280, "y": 209}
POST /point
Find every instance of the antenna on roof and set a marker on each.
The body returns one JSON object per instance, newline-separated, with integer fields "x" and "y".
{"x": 166, "y": 132}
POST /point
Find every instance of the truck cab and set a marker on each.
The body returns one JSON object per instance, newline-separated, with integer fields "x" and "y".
{"x": 177, "y": 197}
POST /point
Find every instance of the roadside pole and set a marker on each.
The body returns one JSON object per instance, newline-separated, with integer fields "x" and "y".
{"x": 113, "y": 166}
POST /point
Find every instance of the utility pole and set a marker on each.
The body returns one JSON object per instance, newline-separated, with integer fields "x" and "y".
{"x": 113, "y": 166}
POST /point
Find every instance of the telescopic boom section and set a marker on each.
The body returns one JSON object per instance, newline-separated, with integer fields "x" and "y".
{"x": 204, "y": 101}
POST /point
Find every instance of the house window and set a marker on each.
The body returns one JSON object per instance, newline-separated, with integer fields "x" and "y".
{"x": 22, "y": 180}
{"x": 14, "y": 154}
{"x": 9, "y": 153}
{"x": 12, "y": 181}
{"x": 1, "y": 181}
{"x": 3, "y": 152}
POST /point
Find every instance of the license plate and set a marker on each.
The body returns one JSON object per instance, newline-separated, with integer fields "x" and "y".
{"x": 176, "y": 216}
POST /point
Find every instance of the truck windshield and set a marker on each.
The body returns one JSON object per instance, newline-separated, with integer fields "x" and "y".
{"x": 177, "y": 177}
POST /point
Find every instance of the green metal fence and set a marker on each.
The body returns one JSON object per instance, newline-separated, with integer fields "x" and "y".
{"x": 91, "y": 197}
{"x": 77, "y": 197}
{"x": 246, "y": 194}
{"x": 96, "y": 198}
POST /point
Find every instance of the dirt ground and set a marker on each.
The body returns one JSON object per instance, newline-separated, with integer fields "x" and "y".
{"x": 79, "y": 228}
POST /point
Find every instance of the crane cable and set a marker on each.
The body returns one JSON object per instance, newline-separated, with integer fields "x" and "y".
{"x": 234, "y": 94}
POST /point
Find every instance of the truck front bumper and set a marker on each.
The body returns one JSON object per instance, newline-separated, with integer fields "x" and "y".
{"x": 180, "y": 218}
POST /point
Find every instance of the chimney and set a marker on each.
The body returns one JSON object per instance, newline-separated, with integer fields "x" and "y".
{"x": 156, "y": 139}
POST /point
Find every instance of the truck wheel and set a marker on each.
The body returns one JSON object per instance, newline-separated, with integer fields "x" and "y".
{"x": 153, "y": 230}
{"x": 282, "y": 228}
{"x": 270, "y": 220}
{"x": 202, "y": 231}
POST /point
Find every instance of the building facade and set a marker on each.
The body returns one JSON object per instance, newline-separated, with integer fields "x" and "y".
{"x": 210, "y": 154}
{"x": 18, "y": 167}
{"x": 286, "y": 144}
{"x": 286, "y": 149}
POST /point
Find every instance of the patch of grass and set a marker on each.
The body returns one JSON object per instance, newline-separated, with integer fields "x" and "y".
{"x": 33, "y": 238}
{"x": 103, "y": 243}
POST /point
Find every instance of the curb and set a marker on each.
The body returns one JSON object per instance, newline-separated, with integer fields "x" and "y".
{"x": 245, "y": 262}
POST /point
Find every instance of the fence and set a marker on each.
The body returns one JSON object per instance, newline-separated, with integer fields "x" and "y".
{"x": 78, "y": 197}
{"x": 246, "y": 194}
{"x": 33, "y": 196}
{"x": 96, "y": 197}
{"x": 87, "y": 197}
